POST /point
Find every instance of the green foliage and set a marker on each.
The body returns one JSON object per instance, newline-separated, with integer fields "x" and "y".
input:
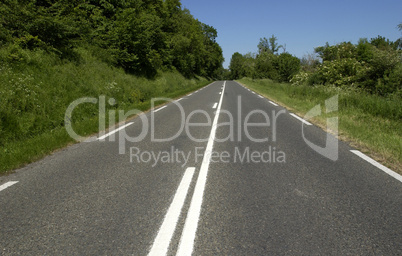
{"x": 374, "y": 66}
{"x": 309, "y": 62}
{"x": 39, "y": 24}
{"x": 53, "y": 52}
{"x": 371, "y": 65}
{"x": 35, "y": 94}
{"x": 141, "y": 36}
{"x": 236, "y": 66}
{"x": 242, "y": 65}
{"x": 336, "y": 52}
{"x": 287, "y": 65}
{"x": 137, "y": 39}
{"x": 266, "y": 64}
{"x": 269, "y": 45}
{"x": 383, "y": 43}
{"x": 342, "y": 72}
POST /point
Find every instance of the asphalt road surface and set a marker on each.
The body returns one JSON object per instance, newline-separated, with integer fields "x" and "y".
{"x": 223, "y": 171}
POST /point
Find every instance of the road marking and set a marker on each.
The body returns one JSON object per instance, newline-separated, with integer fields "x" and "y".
{"x": 8, "y": 184}
{"x": 301, "y": 119}
{"x": 273, "y": 103}
{"x": 378, "y": 165}
{"x": 113, "y": 132}
{"x": 190, "y": 227}
{"x": 162, "y": 241}
{"x": 159, "y": 109}
{"x": 215, "y": 105}
{"x": 260, "y": 96}
{"x": 220, "y": 93}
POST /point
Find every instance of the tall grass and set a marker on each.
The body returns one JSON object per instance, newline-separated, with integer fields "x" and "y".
{"x": 369, "y": 122}
{"x": 37, "y": 87}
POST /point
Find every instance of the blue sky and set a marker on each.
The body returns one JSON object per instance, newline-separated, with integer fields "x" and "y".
{"x": 301, "y": 25}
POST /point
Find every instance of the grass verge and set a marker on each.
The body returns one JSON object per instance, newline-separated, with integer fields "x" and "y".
{"x": 369, "y": 123}
{"x": 35, "y": 93}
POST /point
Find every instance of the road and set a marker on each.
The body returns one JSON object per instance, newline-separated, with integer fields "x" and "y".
{"x": 223, "y": 171}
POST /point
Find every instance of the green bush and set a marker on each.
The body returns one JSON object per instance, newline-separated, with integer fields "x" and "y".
{"x": 266, "y": 65}
{"x": 373, "y": 66}
{"x": 35, "y": 94}
{"x": 287, "y": 65}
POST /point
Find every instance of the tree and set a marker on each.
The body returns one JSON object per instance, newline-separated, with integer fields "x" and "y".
{"x": 383, "y": 43}
{"x": 287, "y": 66}
{"x": 263, "y": 45}
{"x": 212, "y": 55}
{"x": 138, "y": 40}
{"x": 265, "y": 66}
{"x": 336, "y": 52}
{"x": 236, "y": 66}
{"x": 269, "y": 45}
{"x": 141, "y": 36}
{"x": 309, "y": 62}
{"x": 274, "y": 45}
{"x": 374, "y": 65}
{"x": 399, "y": 41}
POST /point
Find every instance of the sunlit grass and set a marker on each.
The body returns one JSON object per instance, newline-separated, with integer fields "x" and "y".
{"x": 35, "y": 93}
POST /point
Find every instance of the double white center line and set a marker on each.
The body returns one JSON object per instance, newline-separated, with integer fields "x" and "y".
{"x": 190, "y": 227}
{"x": 162, "y": 241}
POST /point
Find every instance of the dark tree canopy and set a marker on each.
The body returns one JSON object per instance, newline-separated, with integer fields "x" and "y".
{"x": 141, "y": 35}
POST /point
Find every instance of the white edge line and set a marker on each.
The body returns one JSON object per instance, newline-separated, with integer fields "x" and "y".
{"x": 159, "y": 109}
{"x": 114, "y": 131}
{"x": 215, "y": 105}
{"x": 162, "y": 241}
{"x": 8, "y": 184}
{"x": 301, "y": 119}
{"x": 273, "y": 103}
{"x": 378, "y": 165}
{"x": 191, "y": 224}
{"x": 260, "y": 96}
